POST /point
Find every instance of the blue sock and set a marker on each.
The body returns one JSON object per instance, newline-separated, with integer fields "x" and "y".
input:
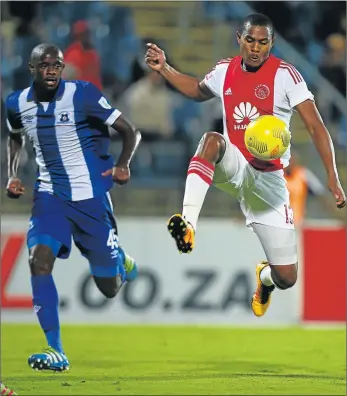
{"x": 45, "y": 300}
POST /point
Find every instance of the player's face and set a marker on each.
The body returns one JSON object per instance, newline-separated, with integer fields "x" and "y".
{"x": 255, "y": 44}
{"x": 47, "y": 70}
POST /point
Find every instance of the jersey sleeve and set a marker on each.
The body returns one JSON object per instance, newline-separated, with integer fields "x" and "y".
{"x": 97, "y": 106}
{"x": 214, "y": 80}
{"x": 13, "y": 117}
{"x": 295, "y": 86}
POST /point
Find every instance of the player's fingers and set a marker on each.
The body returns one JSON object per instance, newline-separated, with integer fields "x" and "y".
{"x": 154, "y": 47}
{"x": 153, "y": 53}
{"x": 152, "y": 64}
{"x": 341, "y": 204}
{"x": 107, "y": 173}
{"x": 151, "y": 58}
{"x": 340, "y": 199}
{"x": 14, "y": 194}
{"x": 120, "y": 176}
{"x": 16, "y": 188}
{"x": 121, "y": 182}
{"x": 339, "y": 196}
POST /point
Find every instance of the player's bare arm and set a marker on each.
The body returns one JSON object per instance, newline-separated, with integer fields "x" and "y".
{"x": 186, "y": 85}
{"x": 14, "y": 186}
{"x": 131, "y": 138}
{"x": 324, "y": 145}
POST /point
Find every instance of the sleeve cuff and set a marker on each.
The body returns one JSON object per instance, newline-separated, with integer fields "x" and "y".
{"x": 300, "y": 99}
{"x": 113, "y": 117}
{"x": 208, "y": 85}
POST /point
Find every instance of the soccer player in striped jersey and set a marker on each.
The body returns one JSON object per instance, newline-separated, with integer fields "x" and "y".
{"x": 252, "y": 84}
{"x": 70, "y": 125}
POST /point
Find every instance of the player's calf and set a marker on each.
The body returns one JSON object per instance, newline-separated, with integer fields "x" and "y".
{"x": 41, "y": 260}
{"x": 109, "y": 287}
{"x": 284, "y": 276}
{"x": 111, "y": 271}
{"x": 211, "y": 147}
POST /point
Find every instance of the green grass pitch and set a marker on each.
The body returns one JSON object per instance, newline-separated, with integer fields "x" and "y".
{"x": 148, "y": 360}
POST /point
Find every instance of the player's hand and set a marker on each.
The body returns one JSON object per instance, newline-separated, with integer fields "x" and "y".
{"x": 120, "y": 175}
{"x": 335, "y": 188}
{"x": 14, "y": 188}
{"x": 155, "y": 57}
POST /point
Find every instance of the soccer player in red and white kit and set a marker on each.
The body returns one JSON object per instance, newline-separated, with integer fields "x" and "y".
{"x": 252, "y": 84}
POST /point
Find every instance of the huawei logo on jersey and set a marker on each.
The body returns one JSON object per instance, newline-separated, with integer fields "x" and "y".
{"x": 244, "y": 113}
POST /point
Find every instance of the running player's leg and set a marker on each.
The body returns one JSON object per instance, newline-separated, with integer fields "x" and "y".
{"x": 96, "y": 238}
{"x": 215, "y": 161}
{"x": 49, "y": 236}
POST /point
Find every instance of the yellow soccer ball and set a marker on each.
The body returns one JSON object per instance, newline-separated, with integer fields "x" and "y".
{"x": 267, "y": 137}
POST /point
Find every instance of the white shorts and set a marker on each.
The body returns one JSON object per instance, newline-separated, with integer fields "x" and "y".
{"x": 264, "y": 200}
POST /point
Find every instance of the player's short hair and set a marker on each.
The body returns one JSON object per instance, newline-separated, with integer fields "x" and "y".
{"x": 258, "y": 20}
{"x": 44, "y": 48}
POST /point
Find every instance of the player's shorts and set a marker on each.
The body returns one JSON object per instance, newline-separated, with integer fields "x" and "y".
{"x": 264, "y": 200}
{"x": 91, "y": 224}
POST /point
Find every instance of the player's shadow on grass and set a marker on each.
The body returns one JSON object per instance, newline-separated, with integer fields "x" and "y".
{"x": 225, "y": 369}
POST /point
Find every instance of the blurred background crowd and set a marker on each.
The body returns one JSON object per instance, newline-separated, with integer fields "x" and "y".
{"x": 104, "y": 42}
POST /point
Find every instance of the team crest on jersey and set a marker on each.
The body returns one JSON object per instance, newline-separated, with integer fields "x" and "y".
{"x": 64, "y": 117}
{"x": 244, "y": 113}
{"x": 262, "y": 91}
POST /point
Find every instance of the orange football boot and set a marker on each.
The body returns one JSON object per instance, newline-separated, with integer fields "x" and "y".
{"x": 182, "y": 232}
{"x": 262, "y": 297}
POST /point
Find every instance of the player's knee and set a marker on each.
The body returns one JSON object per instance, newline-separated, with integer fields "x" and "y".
{"x": 41, "y": 260}
{"x": 212, "y": 146}
{"x": 284, "y": 277}
{"x": 109, "y": 287}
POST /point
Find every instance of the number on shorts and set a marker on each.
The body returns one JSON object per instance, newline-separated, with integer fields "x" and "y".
{"x": 112, "y": 239}
{"x": 289, "y": 214}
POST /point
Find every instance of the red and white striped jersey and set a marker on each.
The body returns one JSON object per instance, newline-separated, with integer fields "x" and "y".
{"x": 276, "y": 88}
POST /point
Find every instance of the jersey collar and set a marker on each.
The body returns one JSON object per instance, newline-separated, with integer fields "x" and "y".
{"x": 59, "y": 93}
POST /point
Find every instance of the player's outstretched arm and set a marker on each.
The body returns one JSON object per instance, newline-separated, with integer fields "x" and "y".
{"x": 131, "y": 138}
{"x": 324, "y": 145}
{"x": 14, "y": 148}
{"x": 186, "y": 85}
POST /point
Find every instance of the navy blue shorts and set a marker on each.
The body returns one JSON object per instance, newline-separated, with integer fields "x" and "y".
{"x": 91, "y": 224}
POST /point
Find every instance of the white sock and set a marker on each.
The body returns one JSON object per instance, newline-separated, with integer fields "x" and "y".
{"x": 199, "y": 179}
{"x": 265, "y": 276}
